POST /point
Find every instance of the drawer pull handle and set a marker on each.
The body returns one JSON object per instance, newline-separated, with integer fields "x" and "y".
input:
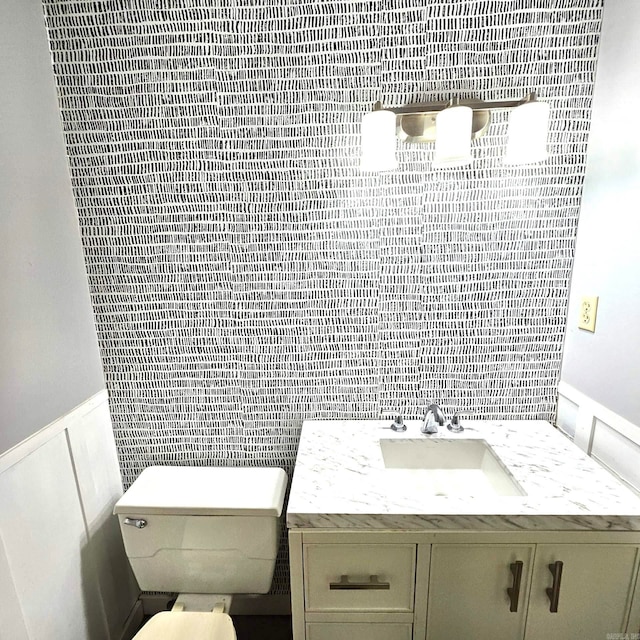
{"x": 554, "y": 591}
{"x": 514, "y": 590}
{"x": 373, "y": 584}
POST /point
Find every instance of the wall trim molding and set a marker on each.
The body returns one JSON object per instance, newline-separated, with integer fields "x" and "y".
{"x": 20, "y": 451}
{"x": 600, "y": 432}
{"x": 590, "y": 408}
{"x": 133, "y": 622}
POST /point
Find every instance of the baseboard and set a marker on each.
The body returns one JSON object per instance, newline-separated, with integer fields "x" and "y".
{"x": 261, "y": 605}
{"x": 153, "y": 603}
{"x": 133, "y": 621}
{"x": 242, "y": 605}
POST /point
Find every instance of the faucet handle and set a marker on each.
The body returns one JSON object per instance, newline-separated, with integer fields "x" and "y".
{"x": 398, "y": 424}
{"x": 455, "y": 425}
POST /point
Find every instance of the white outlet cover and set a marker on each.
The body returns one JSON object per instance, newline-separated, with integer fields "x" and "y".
{"x": 588, "y": 313}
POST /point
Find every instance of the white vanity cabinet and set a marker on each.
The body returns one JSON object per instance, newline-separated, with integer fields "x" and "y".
{"x": 408, "y": 585}
{"x": 380, "y": 548}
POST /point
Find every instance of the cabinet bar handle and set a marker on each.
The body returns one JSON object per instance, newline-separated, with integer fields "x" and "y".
{"x": 554, "y": 591}
{"x": 514, "y": 590}
{"x": 373, "y": 584}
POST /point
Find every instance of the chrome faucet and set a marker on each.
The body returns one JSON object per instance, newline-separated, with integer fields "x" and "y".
{"x": 433, "y": 417}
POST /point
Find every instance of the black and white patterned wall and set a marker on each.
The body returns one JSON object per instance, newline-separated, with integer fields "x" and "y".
{"x": 246, "y": 275}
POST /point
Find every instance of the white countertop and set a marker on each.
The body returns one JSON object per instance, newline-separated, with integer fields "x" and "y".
{"x": 340, "y": 481}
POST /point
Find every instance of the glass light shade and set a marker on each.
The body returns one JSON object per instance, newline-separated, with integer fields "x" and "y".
{"x": 378, "y": 143}
{"x": 453, "y": 137}
{"x": 528, "y": 128}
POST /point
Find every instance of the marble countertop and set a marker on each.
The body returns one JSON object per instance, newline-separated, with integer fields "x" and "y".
{"x": 340, "y": 481}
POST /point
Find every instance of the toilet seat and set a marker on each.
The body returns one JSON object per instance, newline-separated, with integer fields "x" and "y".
{"x": 188, "y": 625}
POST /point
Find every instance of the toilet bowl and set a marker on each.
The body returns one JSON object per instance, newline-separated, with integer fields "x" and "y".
{"x": 200, "y": 531}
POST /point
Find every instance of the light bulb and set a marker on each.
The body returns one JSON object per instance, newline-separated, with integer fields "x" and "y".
{"x": 453, "y": 137}
{"x": 528, "y": 128}
{"x": 378, "y": 142}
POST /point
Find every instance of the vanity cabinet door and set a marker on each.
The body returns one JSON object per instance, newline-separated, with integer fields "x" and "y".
{"x": 478, "y": 591}
{"x": 591, "y": 586}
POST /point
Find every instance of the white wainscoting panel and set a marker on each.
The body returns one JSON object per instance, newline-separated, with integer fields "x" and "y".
{"x": 616, "y": 452}
{"x": 94, "y": 456}
{"x": 567, "y": 416}
{"x": 11, "y": 621}
{"x": 65, "y": 561}
{"x": 44, "y": 535}
{"x": 603, "y": 434}
{"x": 96, "y": 463}
{"x": 38, "y": 439}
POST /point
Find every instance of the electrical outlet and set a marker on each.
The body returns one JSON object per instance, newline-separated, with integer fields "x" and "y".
{"x": 588, "y": 312}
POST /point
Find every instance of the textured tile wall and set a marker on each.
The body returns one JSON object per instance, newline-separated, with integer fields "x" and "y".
{"x": 246, "y": 275}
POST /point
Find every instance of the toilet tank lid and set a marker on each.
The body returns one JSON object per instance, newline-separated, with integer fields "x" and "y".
{"x": 237, "y": 491}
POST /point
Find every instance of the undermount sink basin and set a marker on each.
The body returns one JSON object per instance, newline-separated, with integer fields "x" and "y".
{"x": 460, "y": 467}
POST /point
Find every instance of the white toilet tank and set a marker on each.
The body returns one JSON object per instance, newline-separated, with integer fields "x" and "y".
{"x": 203, "y": 529}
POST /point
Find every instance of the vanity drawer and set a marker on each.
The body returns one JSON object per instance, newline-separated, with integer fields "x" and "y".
{"x": 358, "y": 631}
{"x": 359, "y": 577}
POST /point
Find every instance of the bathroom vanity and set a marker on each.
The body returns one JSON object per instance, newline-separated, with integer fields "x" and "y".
{"x": 506, "y": 530}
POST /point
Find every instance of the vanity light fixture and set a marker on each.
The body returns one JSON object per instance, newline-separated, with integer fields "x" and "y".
{"x": 452, "y": 125}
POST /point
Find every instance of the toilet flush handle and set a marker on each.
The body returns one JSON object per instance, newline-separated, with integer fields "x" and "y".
{"x": 139, "y": 523}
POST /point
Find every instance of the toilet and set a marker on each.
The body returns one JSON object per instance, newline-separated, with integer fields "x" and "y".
{"x": 206, "y": 533}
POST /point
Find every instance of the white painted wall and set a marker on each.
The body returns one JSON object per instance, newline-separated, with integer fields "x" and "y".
{"x": 605, "y": 365}
{"x": 49, "y": 359}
